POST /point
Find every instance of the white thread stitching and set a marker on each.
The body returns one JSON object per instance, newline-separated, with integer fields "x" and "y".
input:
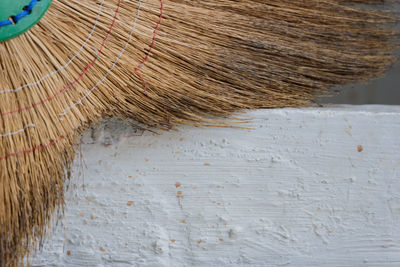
{"x": 67, "y": 64}
{"x": 97, "y": 84}
{"x": 109, "y": 71}
{"x": 55, "y": 72}
{"x": 19, "y": 131}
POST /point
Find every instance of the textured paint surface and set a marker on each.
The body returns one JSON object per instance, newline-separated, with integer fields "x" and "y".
{"x": 309, "y": 187}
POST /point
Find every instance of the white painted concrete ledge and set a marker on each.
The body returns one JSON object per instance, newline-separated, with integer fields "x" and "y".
{"x": 304, "y": 187}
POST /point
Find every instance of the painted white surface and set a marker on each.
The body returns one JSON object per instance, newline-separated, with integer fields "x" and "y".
{"x": 293, "y": 191}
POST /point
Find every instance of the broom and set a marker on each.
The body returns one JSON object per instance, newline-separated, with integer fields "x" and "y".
{"x": 66, "y": 64}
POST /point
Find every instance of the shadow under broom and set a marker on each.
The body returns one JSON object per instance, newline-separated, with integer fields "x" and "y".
{"x": 159, "y": 62}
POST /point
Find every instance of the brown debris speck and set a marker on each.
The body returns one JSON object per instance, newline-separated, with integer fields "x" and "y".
{"x": 178, "y": 184}
{"x": 102, "y": 249}
{"x": 179, "y": 194}
{"x": 360, "y": 148}
{"x": 130, "y": 203}
{"x": 68, "y": 252}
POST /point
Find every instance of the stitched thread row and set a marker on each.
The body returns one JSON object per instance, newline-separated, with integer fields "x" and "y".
{"x": 67, "y": 64}
{"x": 19, "y": 131}
{"x": 67, "y": 109}
{"x": 139, "y": 66}
{"x": 122, "y": 51}
{"x": 77, "y": 79}
{"x": 32, "y": 149}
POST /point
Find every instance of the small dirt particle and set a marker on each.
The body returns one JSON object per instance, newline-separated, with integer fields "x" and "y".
{"x": 179, "y": 194}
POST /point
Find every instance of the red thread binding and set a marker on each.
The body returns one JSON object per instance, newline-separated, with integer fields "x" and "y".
{"x": 32, "y": 149}
{"x": 77, "y": 79}
{"x": 80, "y": 77}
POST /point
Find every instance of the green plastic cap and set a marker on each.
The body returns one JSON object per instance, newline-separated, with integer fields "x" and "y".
{"x": 18, "y": 16}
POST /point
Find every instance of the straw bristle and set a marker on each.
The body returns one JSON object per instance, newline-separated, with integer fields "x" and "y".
{"x": 186, "y": 61}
